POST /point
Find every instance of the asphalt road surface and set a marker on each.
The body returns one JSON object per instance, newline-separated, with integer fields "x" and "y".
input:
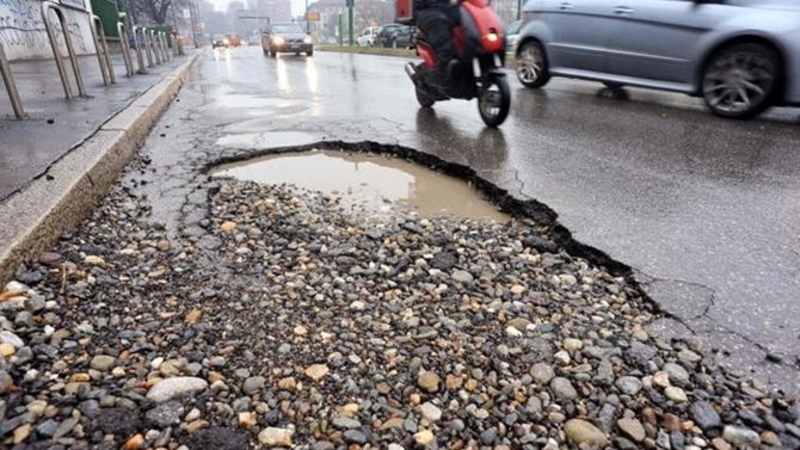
{"x": 706, "y": 210}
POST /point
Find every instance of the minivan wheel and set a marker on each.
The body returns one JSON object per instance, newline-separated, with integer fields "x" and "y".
{"x": 742, "y": 81}
{"x": 532, "y": 65}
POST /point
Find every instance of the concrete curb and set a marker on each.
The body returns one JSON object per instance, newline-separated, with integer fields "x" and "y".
{"x": 56, "y": 202}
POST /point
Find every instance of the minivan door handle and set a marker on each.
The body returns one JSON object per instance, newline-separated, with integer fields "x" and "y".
{"x": 565, "y": 6}
{"x": 623, "y": 10}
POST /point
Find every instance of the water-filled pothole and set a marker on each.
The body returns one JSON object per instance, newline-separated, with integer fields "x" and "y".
{"x": 375, "y": 182}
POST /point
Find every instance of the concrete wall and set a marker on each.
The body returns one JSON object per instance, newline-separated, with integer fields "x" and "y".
{"x": 23, "y": 35}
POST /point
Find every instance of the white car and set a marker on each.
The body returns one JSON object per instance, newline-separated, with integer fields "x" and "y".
{"x": 367, "y": 37}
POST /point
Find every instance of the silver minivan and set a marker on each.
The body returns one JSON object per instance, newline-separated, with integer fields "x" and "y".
{"x": 741, "y": 56}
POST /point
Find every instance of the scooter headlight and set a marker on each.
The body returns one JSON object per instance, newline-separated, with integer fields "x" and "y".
{"x": 492, "y": 36}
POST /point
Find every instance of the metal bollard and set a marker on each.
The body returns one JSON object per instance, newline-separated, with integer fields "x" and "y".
{"x": 154, "y": 46}
{"x": 102, "y": 46}
{"x": 160, "y": 42}
{"x": 122, "y": 30}
{"x": 165, "y": 46}
{"x": 48, "y": 6}
{"x": 148, "y": 51}
{"x": 11, "y": 87}
{"x": 139, "y": 44}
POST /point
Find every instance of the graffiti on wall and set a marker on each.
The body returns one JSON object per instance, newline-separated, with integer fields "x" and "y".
{"x": 23, "y": 34}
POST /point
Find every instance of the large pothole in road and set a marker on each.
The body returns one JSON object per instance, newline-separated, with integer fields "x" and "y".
{"x": 369, "y": 182}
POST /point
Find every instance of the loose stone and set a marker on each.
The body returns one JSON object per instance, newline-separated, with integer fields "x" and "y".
{"x": 629, "y": 385}
{"x": 580, "y": 432}
{"x": 355, "y": 437}
{"x": 424, "y": 438}
{"x": 677, "y": 374}
{"x": 317, "y": 371}
{"x": 632, "y": 428}
{"x": 430, "y": 412}
{"x": 429, "y": 381}
{"x": 345, "y": 423}
{"x": 280, "y": 437}
{"x": 176, "y": 387}
{"x": 676, "y": 394}
{"x": 741, "y": 437}
{"x": 542, "y": 373}
{"x": 102, "y": 363}
{"x": 705, "y": 416}
{"x": 253, "y": 384}
{"x": 563, "y": 389}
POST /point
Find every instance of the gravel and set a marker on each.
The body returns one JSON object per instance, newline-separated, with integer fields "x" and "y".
{"x": 286, "y": 320}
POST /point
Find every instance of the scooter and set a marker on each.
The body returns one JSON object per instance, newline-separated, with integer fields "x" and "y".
{"x": 480, "y": 47}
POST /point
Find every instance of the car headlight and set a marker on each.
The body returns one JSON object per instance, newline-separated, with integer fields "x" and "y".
{"x": 277, "y": 40}
{"x": 307, "y": 40}
{"x": 226, "y": 41}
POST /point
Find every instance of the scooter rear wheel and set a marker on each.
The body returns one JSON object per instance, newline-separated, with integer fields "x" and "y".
{"x": 494, "y": 100}
{"x": 424, "y": 98}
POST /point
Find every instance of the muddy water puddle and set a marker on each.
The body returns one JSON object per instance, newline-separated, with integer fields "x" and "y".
{"x": 376, "y": 183}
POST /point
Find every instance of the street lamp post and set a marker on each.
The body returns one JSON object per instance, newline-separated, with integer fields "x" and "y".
{"x": 350, "y": 20}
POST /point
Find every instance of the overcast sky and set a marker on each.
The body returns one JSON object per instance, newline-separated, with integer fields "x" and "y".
{"x": 298, "y": 6}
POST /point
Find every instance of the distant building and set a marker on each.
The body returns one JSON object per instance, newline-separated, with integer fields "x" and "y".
{"x": 276, "y": 10}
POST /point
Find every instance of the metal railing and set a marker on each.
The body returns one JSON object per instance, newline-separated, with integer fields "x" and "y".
{"x": 47, "y": 7}
{"x": 102, "y": 47}
{"x": 11, "y": 88}
{"x": 139, "y": 43}
{"x": 122, "y": 31}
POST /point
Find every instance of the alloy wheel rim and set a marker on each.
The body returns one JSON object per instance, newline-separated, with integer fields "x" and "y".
{"x": 529, "y": 63}
{"x": 738, "y": 81}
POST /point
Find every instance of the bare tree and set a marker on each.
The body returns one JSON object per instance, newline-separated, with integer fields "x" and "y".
{"x": 153, "y": 11}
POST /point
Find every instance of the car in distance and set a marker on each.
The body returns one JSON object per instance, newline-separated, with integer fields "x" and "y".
{"x": 395, "y": 35}
{"x": 740, "y": 56}
{"x": 219, "y": 42}
{"x": 285, "y": 38}
{"x": 367, "y": 37}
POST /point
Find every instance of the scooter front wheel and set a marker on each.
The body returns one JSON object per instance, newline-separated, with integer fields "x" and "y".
{"x": 494, "y": 100}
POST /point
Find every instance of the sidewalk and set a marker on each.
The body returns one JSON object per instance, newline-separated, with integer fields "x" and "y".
{"x": 55, "y": 125}
{"x": 58, "y": 162}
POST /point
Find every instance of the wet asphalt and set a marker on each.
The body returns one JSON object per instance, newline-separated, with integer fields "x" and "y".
{"x": 705, "y": 210}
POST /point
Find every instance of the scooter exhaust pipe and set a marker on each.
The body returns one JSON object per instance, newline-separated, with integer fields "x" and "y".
{"x": 411, "y": 71}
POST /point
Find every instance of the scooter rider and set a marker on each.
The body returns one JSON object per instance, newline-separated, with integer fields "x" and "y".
{"x": 437, "y": 18}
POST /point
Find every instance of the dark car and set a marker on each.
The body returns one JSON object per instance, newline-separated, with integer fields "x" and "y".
{"x": 285, "y": 38}
{"x": 395, "y": 35}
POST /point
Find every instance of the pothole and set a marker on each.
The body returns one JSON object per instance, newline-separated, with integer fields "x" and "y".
{"x": 373, "y": 182}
